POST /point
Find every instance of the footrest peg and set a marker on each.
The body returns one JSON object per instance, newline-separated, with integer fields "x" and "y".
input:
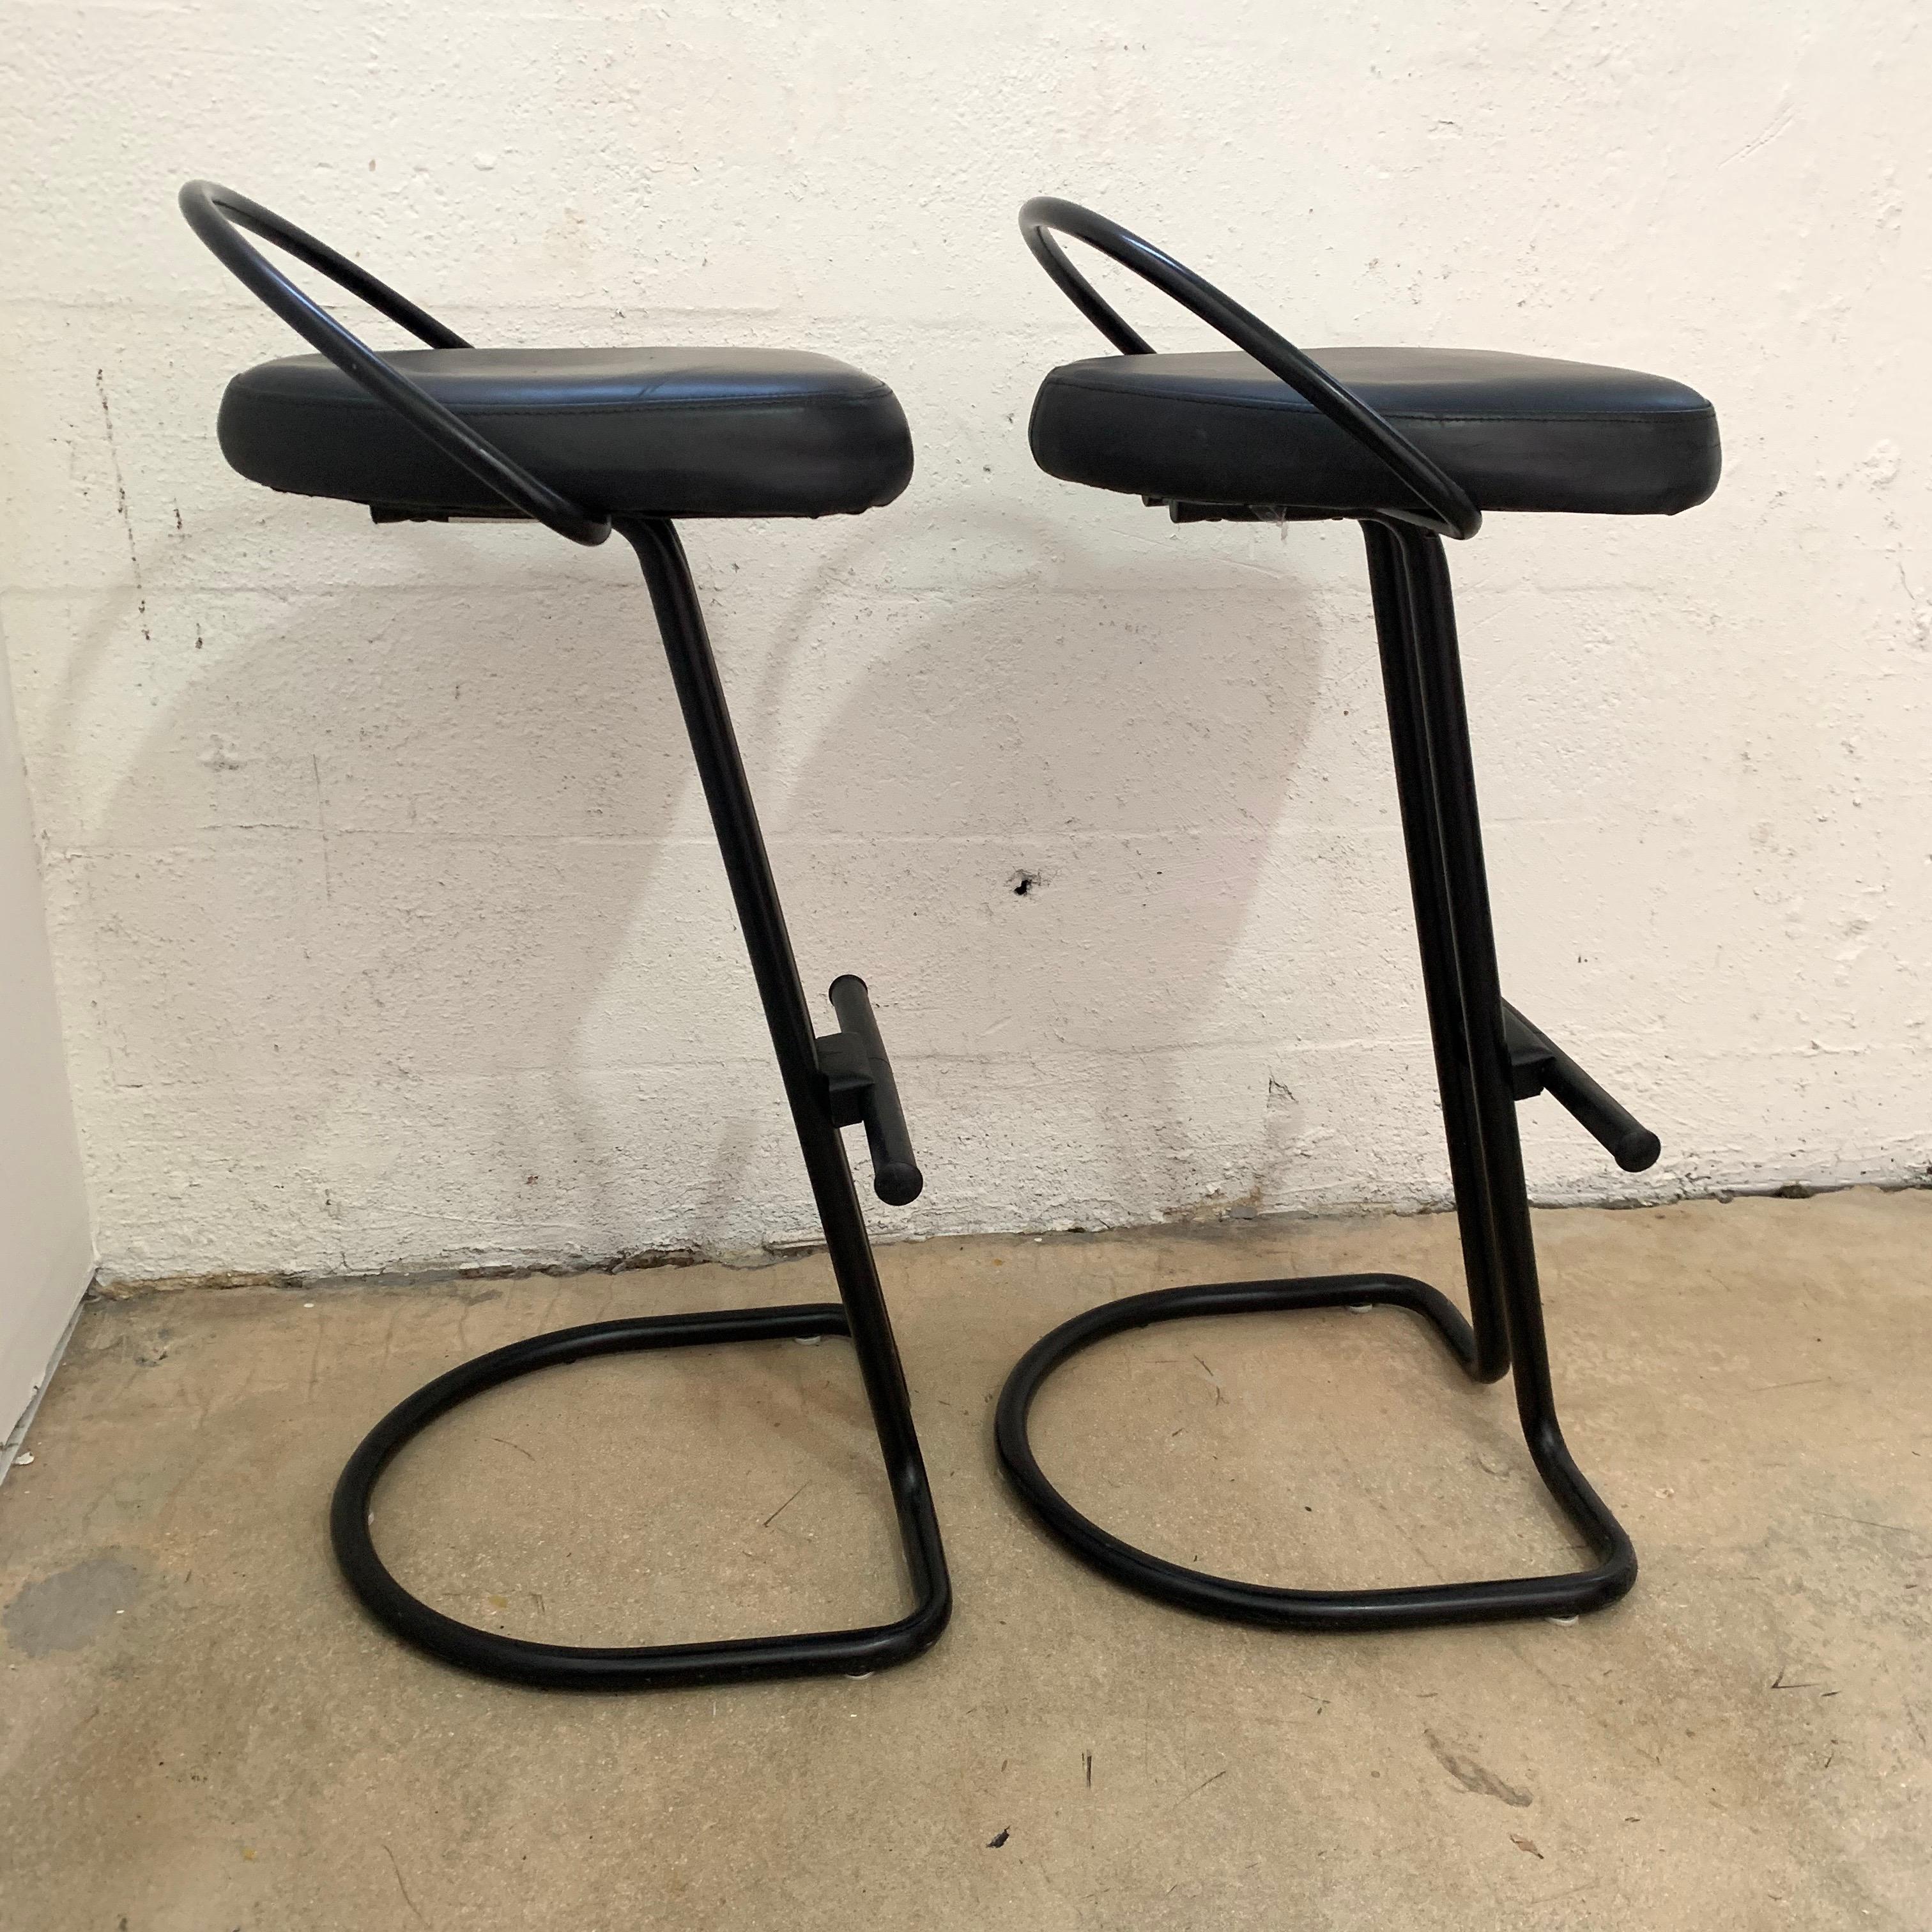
{"x": 860, "y": 1088}
{"x": 1537, "y": 1065}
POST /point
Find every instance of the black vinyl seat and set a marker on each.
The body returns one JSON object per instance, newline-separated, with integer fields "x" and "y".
{"x": 624, "y": 432}
{"x": 1517, "y": 432}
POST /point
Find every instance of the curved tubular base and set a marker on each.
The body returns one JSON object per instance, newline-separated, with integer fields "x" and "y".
{"x": 1488, "y": 1601}
{"x": 643, "y": 1667}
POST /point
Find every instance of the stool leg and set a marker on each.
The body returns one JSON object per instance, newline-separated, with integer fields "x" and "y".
{"x": 728, "y": 792}
{"x": 1416, "y": 791}
{"x": 860, "y": 1312}
{"x": 1415, "y": 626}
{"x": 1432, "y": 689}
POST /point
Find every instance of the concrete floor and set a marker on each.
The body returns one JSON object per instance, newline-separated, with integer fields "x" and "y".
{"x": 200, "y": 1732}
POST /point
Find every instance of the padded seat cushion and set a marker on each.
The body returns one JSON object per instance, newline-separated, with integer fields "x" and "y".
{"x": 1517, "y": 432}
{"x": 642, "y": 432}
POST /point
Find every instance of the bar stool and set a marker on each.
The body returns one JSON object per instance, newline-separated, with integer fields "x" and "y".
{"x": 1413, "y": 444}
{"x": 587, "y": 441}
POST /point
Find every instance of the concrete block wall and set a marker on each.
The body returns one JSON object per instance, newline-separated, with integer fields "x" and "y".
{"x": 387, "y": 923}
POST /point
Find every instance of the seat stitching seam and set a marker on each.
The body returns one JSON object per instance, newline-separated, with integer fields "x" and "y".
{"x": 1304, "y": 408}
{"x": 569, "y": 409}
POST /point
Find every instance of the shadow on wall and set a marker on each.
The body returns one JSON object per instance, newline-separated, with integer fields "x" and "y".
{"x": 1050, "y": 810}
{"x": 413, "y": 942}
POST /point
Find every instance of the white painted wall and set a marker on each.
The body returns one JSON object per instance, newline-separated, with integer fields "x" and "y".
{"x": 386, "y": 915}
{"x": 46, "y": 1249}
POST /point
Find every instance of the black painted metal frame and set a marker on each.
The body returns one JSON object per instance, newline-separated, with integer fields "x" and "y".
{"x": 839, "y": 1080}
{"x": 1487, "y": 1056}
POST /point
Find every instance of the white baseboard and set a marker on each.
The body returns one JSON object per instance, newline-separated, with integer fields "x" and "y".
{"x": 16, "y": 1438}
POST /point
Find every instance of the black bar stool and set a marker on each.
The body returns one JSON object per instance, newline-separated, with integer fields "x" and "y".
{"x": 587, "y": 441}
{"x": 1267, "y": 432}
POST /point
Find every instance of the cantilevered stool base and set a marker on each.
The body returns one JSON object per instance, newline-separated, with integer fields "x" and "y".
{"x": 842, "y": 1079}
{"x": 1487, "y": 1058}
{"x": 640, "y": 1666}
{"x": 1305, "y": 1610}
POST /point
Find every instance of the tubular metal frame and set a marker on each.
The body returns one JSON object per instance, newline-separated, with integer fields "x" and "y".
{"x": 859, "y": 1313}
{"x": 838, "y": 1080}
{"x": 1487, "y": 1058}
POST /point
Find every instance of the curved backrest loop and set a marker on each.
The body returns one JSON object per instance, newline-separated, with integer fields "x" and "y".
{"x": 1442, "y": 504}
{"x": 218, "y": 214}
{"x": 1077, "y": 289}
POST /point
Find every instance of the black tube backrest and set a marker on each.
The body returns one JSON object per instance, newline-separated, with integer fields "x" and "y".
{"x": 218, "y": 214}
{"x": 1441, "y": 504}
